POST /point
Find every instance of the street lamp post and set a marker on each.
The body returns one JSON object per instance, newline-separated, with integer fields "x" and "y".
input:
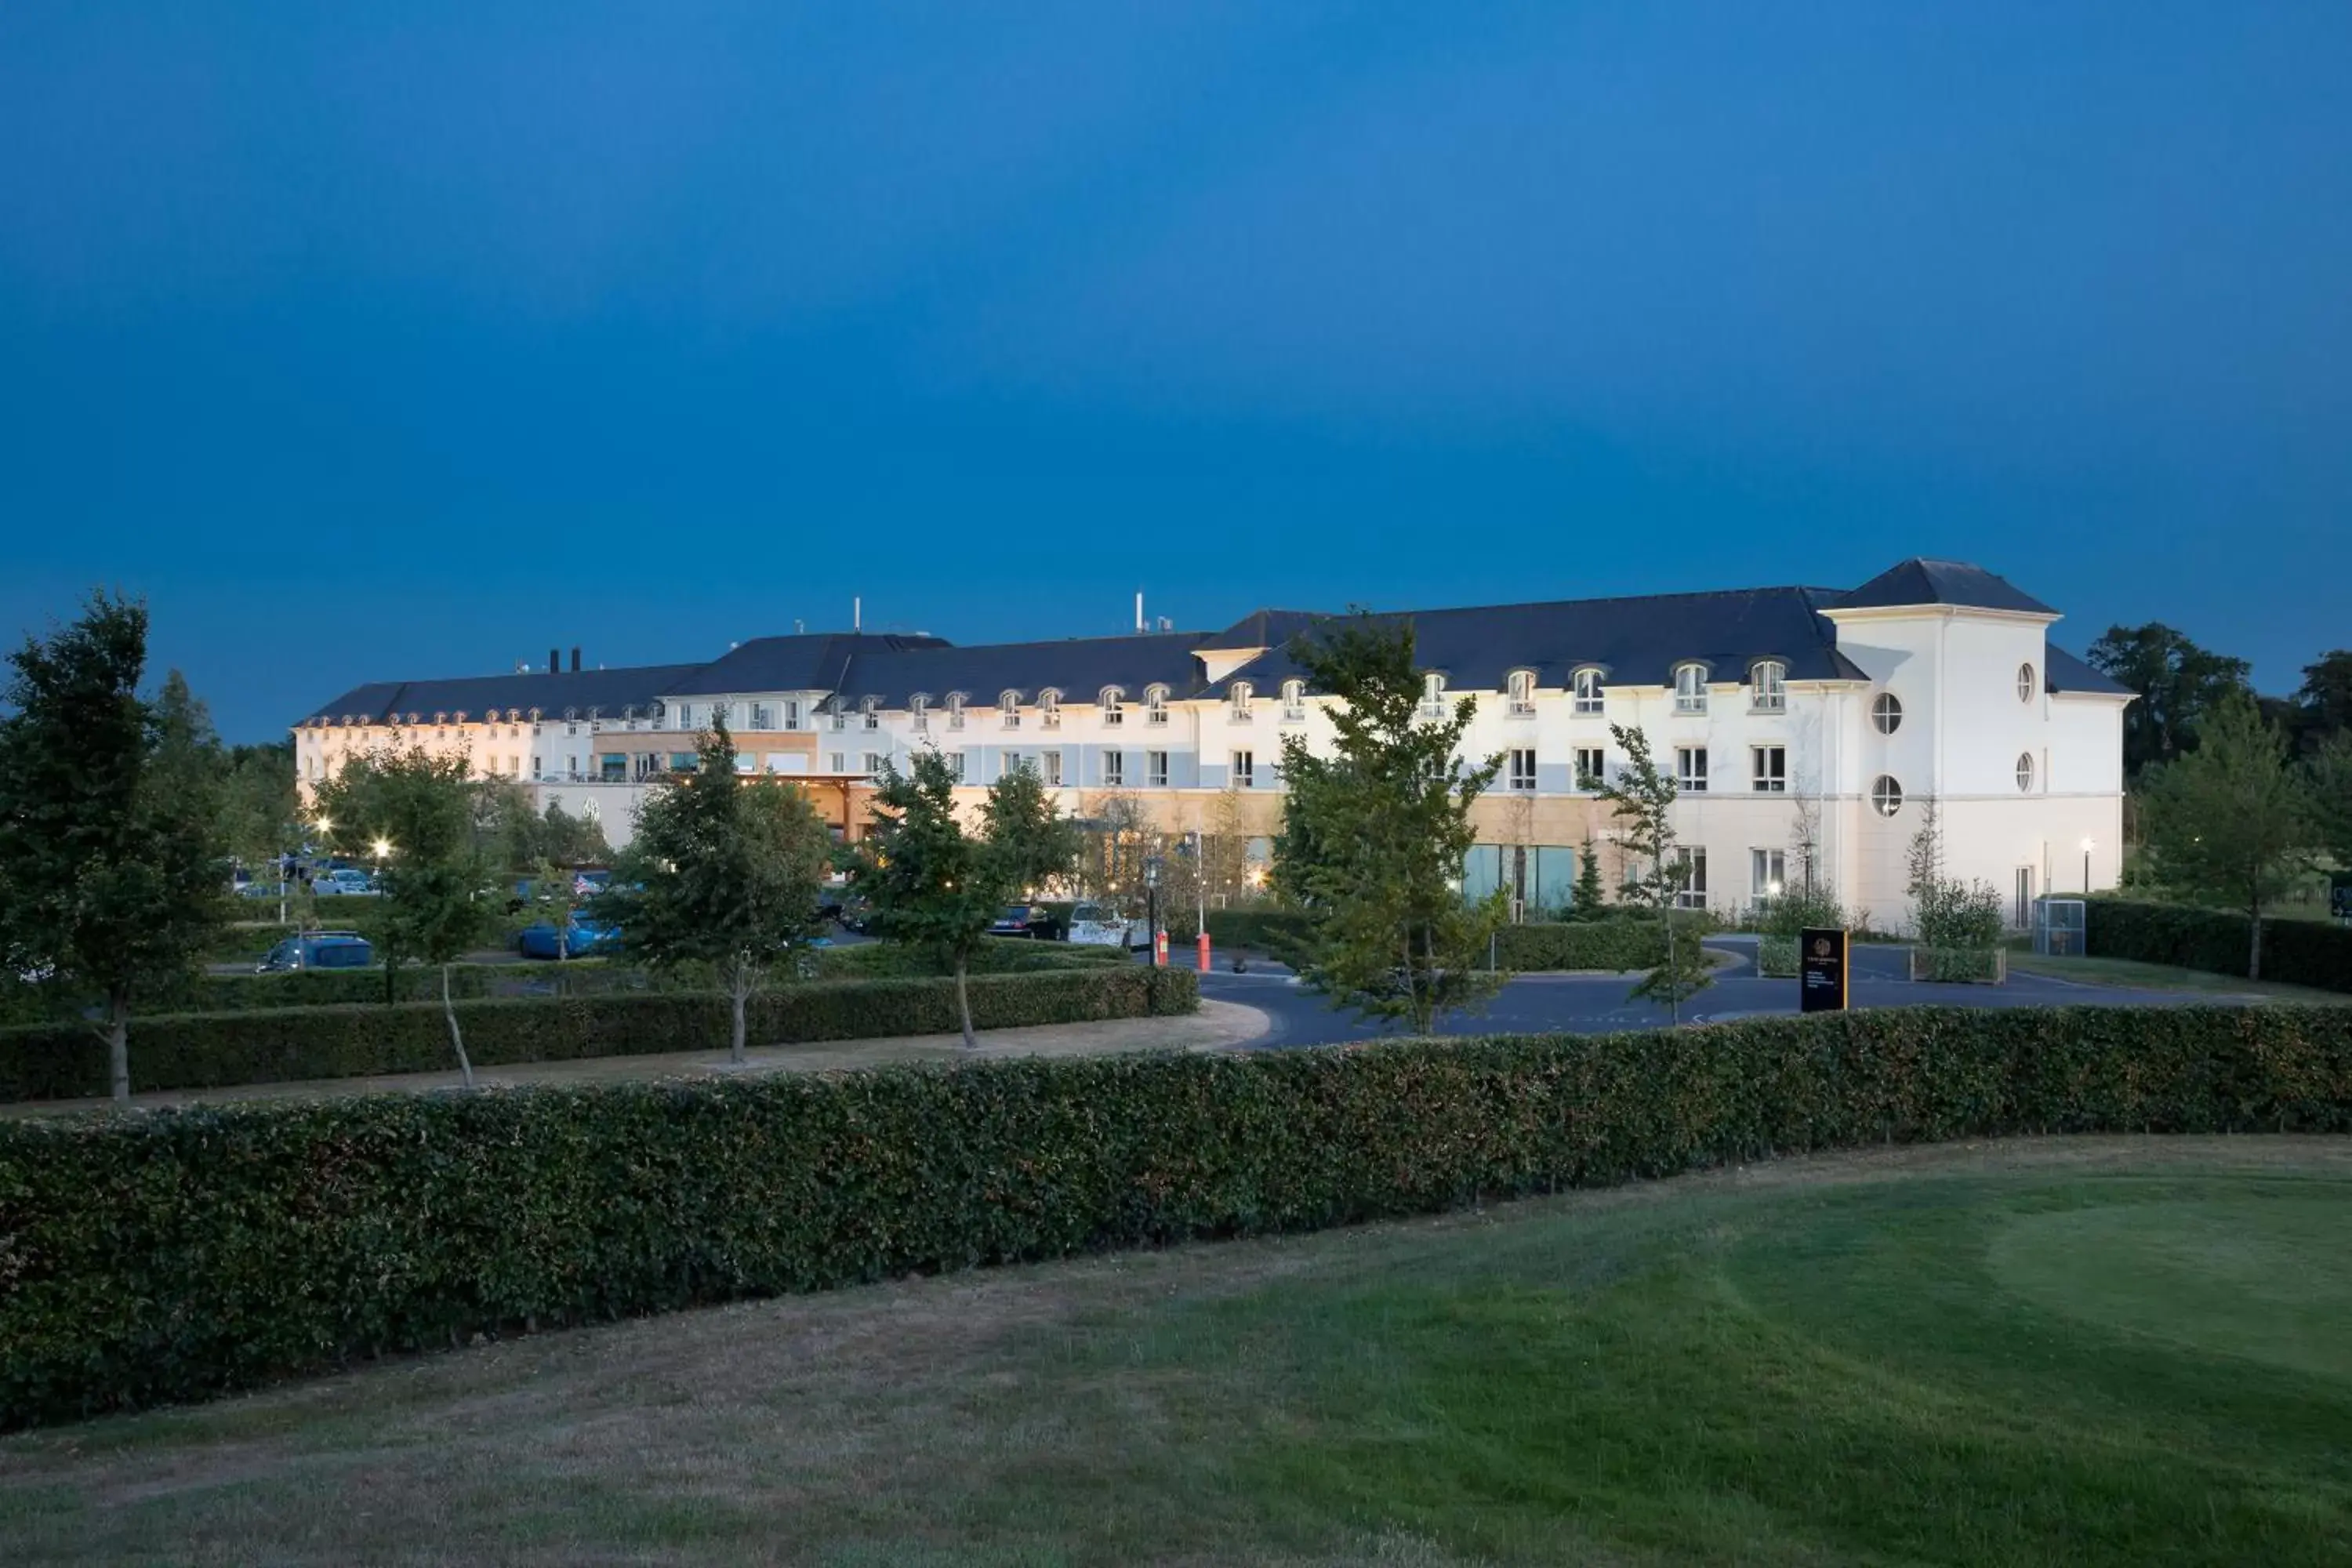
{"x": 2087, "y": 868}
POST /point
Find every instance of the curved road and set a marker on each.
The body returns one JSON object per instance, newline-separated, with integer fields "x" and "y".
{"x": 1597, "y": 1004}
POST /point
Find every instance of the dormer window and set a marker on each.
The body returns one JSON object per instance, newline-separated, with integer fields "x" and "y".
{"x": 840, "y": 717}
{"x": 1008, "y": 703}
{"x": 1768, "y": 681}
{"x": 1239, "y": 697}
{"x": 872, "y": 708}
{"x": 1690, "y": 689}
{"x": 1519, "y": 689}
{"x": 955, "y": 709}
{"x": 461, "y": 715}
{"x": 1294, "y": 702}
{"x": 1113, "y": 702}
{"x": 1588, "y": 692}
{"x": 919, "y": 711}
{"x": 1433, "y": 696}
{"x": 1049, "y": 708}
{"x": 1155, "y": 705}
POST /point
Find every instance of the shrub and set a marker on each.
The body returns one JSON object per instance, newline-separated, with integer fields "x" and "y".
{"x": 1266, "y": 928}
{"x": 217, "y": 1050}
{"x": 178, "y": 1255}
{"x": 2299, "y": 952}
{"x": 997, "y": 955}
{"x": 1776, "y": 958}
{"x": 1609, "y": 944}
{"x": 1961, "y": 965}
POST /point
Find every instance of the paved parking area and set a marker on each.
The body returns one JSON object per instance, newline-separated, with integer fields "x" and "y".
{"x": 1597, "y": 1004}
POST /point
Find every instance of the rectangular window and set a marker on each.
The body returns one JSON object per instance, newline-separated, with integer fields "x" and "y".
{"x": 1155, "y": 769}
{"x": 840, "y": 717}
{"x": 1767, "y": 872}
{"x": 1114, "y": 712}
{"x": 1770, "y": 765}
{"x": 534, "y": 764}
{"x": 1523, "y": 770}
{"x": 1592, "y": 766}
{"x": 1690, "y": 689}
{"x": 763, "y": 716}
{"x": 685, "y": 717}
{"x": 1244, "y": 770}
{"x": 838, "y": 762}
{"x": 1052, "y": 763}
{"x": 792, "y": 714}
{"x": 955, "y": 765}
{"x": 873, "y": 761}
{"x": 873, "y": 718}
{"x": 1155, "y": 708}
{"x": 615, "y": 766}
{"x": 1690, "y": 769}
{"x": 1114, "y": 764}
{"x": 1691, "y": 894}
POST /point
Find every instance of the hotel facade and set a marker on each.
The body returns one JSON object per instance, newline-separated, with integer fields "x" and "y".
{"x": 1790, "y": 717}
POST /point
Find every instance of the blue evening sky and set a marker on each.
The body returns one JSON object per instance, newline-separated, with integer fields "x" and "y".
{"x": 372, "y": 342}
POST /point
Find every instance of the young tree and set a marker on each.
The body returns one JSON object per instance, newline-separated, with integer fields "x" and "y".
{"x": 1373, "y": 836}
{"x": 927, "y": 882}
{"x": 1224, "y": 848}
{"x": 1590, "y": 897}
{"x": 2325, "y": 700}
{"x": 416, "y": 814}
{"x": 1947, "y": 915}
{"x": 2331, "y": 798}
{"x": 110, "y": 883}
{"x": 725, "y": 870}
{"x": 2232, "y": 820}
{"x": 1030, "y": 844}
{"x": 554, "y": 898}
{"x": 1656, "y": 872}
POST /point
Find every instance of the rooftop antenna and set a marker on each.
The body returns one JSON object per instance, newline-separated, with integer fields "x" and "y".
{"x": 857, "y": 614}
{"x": 1138, "y": 609}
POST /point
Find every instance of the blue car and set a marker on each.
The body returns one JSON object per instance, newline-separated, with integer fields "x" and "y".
{"x": 319, "y": 950}
{"x": 583, "y": 938}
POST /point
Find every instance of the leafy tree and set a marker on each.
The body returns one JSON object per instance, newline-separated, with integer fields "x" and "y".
{"x": 554, "y": 898}
{"x": 2177, "y": 684}
{"x": 927, "y": 882}
{"x": 2232, "y": 820}
{"x": 724, "y": 871}
{"x": 1948, "y": 915}
{"x": 521, "y": 836}
{"x": 260, "y": 812}
{"x": 1656, "y": 872}
{"x": 2331, "y": 798}
{"x": 110, "y": 884}
{"x": 2326, "y": 696}
{"x": 1030, "y": 844}
{"x": 1224, "y": 848}
{"x": 1374, "y": 835}
{"x": 415, "y": 815}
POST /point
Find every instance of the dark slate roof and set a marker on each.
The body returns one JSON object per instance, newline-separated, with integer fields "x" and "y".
{"x": 2063, "y": 672}
{"x": 606, "y": 690}
{"x": 1922, "y": 582}
{"x": 1634, "y": 640}
{"x": 813, "y": 662}
{"x": 1265, "y": 628}
{"x": 1079, "y": 668}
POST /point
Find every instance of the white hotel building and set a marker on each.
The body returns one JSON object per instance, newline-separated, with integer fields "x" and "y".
{"x": 1935, "y": 679}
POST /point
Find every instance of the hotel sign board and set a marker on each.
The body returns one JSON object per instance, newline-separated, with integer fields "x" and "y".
{"x": 1822, "y": 979}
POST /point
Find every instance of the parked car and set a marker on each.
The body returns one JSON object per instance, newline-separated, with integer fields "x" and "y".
{"x": 1029, "y": 920}
{"x": 582, "y": 939}
{"x": 258, "y": 890}
{"x": 318, "y": 950}
{"x": 348, "y": 883}
{"x": 1099, "y": 925}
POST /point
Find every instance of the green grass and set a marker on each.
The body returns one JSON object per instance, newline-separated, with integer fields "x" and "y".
{"x": 2135, "y": 975}
{"x": 2072, "y": 1351}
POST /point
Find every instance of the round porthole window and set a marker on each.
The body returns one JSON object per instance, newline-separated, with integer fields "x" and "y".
{"x": 2025, "y": 772}
{"x": 1887, "y": 712}
{"x": 1887, "y": 795}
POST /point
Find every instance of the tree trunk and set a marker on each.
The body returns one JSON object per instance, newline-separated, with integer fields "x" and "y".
{"x": 737, "y": 993}
{"x": 1674, "y": 974}
{"x": 963, "y": 1004}
{"x": 118, "y": 1049}
{"x": 456, "y": 1035}
{"x": 2254, "y": 952}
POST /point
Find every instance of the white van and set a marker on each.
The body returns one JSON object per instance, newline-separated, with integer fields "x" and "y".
{"x": 1099, "y": 925}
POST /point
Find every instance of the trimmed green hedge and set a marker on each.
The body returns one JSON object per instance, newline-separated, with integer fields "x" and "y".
{"x": 1585, "y": 944}
{"x": 2297, "y": 953}
{"x": 997, "y": 955}
{"x": 1776, "y": 958}
{"x": 181, "y": 1255}
{"x": 1263, "y": 929}
{"x": 219, "y": 1050}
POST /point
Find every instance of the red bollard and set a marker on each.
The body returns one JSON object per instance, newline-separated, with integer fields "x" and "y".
{"x": 1160, "y": 950}
{"x": 1204, "y": 952}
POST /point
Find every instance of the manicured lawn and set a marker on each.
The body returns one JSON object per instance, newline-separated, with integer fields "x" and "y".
{"x": 2132, "y": 974}
{"x": 2069, "y": 1351}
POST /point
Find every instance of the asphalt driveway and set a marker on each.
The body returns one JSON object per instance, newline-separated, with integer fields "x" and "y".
{"x": 1593, "y": 1005}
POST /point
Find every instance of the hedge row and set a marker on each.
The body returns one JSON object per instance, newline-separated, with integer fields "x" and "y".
{"x": 219, "y": 1050}
{"x": 2299, "y": 952}
{"x": 186, "y": 1254}
{"x": 997, "y": 955}
{"x": 1584, "y": 945}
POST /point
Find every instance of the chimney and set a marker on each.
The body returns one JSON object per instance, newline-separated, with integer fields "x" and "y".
{"x": 575, "y": 660}
{"x": 857, "y": 614}
{"x": 554, "y": 661}
{"x": 1138, "y": 609}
